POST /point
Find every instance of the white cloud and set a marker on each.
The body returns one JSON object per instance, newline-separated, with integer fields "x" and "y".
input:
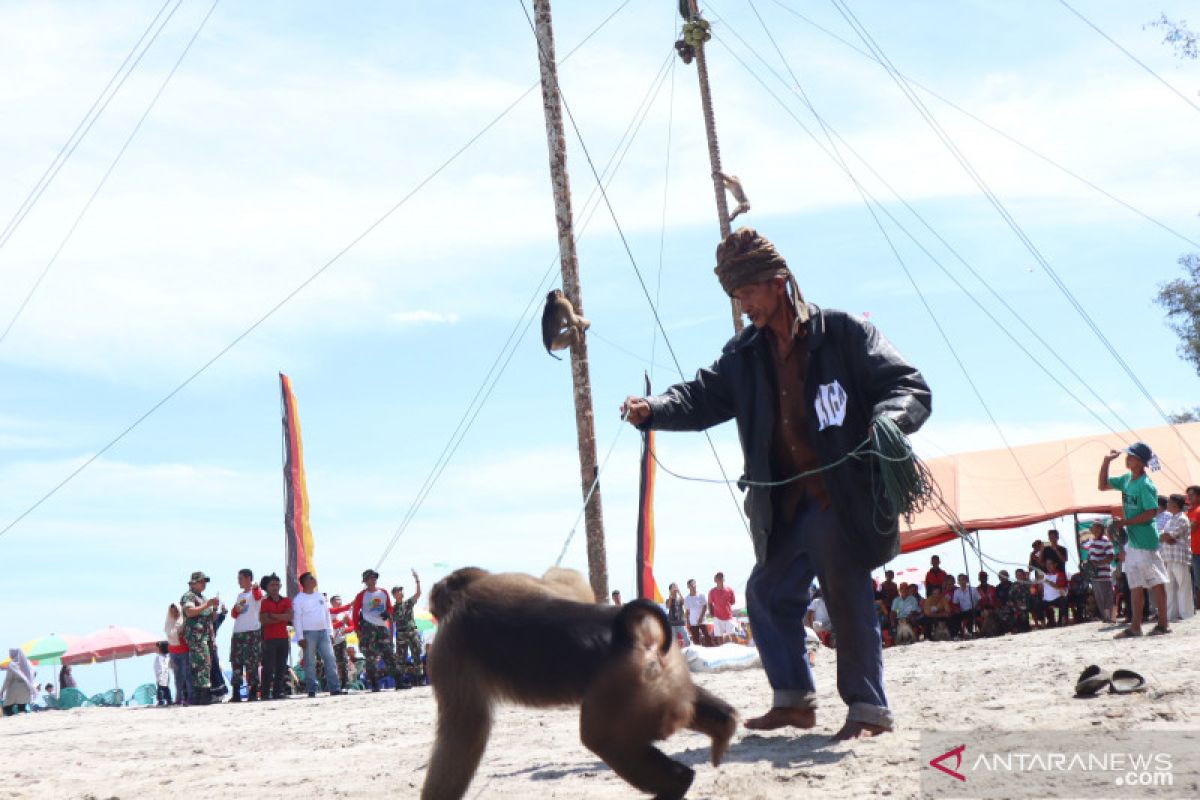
{"x": 424, "y": 317}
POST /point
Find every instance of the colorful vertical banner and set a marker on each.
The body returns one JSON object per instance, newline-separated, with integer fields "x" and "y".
{"x": 647, "y": 588}
{"x": 298, "y": 543}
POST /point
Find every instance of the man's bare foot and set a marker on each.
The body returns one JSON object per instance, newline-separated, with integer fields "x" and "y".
{"x": 858, "y": 730}
{"x": 781, "y": 717}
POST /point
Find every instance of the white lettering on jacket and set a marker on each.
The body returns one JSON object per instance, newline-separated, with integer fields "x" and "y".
{"x": 830, "y": 405}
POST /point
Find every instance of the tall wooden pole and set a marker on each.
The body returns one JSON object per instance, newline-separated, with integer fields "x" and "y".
{"x": 584, "y": 418}
{"x": 714, "y": 150}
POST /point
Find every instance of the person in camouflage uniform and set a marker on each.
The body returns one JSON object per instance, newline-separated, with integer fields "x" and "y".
{"x": 341, "y": 626}
{"x": 372, "y": 610}
{"x": 1016, "y": 613}
{"x": 245, "y": 647}
{"x": 408, "y": 638}
{"x": 198, "y": 633}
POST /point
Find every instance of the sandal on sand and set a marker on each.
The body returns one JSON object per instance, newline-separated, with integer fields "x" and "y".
{"x": 1159, "y": 630}
{"x": 1091, "y": 681}
{"x": 1126, "y": 681}
{"x": 1128, "y": 633}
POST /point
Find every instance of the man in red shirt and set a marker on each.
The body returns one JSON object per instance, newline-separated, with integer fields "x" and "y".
{"x": 1193, "y": 515}
{"x": 936, "y": 576}
{"x": 987, "y": 593}
{"x": 343, "y": 626}
{"x": 274, "y": 612}
{"x": 720, "y": 604}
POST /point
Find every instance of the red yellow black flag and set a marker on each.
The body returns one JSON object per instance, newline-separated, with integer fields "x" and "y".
{"x": 298, "y": 545}
{"x": 647, "y": 588}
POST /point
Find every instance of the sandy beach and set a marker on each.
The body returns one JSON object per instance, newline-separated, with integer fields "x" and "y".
{"x": 377, "y": 744}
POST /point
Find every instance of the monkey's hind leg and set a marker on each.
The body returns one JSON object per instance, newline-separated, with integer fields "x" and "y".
{"x": 463, "y": 726}
{"x": 715, "y": 718}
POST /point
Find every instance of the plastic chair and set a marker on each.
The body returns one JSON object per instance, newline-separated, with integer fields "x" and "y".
{"x": 71, "y": 697}
{"x": 144, "y": 695}
{"x": 113, "y": 698}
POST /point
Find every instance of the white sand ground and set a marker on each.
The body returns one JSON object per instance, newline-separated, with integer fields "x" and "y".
{"x": 377, "y": 745}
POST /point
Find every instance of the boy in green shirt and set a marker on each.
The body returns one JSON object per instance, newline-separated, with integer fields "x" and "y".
{"x": 1140, "y": 560}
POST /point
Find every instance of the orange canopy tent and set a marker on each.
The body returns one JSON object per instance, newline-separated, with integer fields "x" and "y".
{"x": 987, "y": 491}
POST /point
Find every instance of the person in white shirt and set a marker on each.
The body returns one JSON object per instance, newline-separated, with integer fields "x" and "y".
{"x": 245, "y": 648}
{"x": 1163, "y": 516}
{"x": 1174, "y": 547}
{"x": 162, "y": 675}
{"x": 372, "y": 610}
{"x": 697, "y": 607}
{"x": 310, "y": 618}
{"x": 906, "y": 606}
{"x": 966, "y": 597}
{"x": 817, "y": 617}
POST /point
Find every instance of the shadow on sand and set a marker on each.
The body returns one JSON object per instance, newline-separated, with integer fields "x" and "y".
{"x": 811, "y": 749}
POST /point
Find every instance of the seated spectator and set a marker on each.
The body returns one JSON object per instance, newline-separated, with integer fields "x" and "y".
{"x": 906, "y": 607}
{"x": 888, "y": 588}
{"x": 1033, "y": 587}
{"x": 1003, "y": 587}
{"x": 884, "y": 616}
{"x": 817, "y": 617}
{"x": 966, "y": 601}
{"x": 1079, "y": 593}
{"x": 935, "y": 609}
{"x": 987, "y": 593}
{"x": 1019, "y": 600}
{"x": 1054, "y": 590}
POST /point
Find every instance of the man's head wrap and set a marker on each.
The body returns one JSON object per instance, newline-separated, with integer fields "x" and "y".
{"x": 745, "y": 257}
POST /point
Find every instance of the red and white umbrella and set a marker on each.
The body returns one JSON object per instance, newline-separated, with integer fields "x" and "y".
{"x": 112, "y": 643}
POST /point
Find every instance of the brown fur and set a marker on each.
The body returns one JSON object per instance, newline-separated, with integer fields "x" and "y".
{"x": 544, "y": 642}
{"x": 561, "y": 326}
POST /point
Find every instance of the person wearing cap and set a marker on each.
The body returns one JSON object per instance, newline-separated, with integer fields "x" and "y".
{"x": 198, "y": 632}
{"x": 806, "y": 386}
{"x": 1140, "y": 559}
{"x": 372, "y": 611}
{"x": 408, "y": 638}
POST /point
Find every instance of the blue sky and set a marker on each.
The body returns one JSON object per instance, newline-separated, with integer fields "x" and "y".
{"x": 291, "y": 127}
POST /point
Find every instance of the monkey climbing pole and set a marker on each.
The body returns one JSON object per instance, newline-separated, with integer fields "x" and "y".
{"x": 695, "y": 35}
{"x": 584, "y": 416}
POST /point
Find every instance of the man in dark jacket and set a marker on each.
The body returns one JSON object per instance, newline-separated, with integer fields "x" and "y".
{"x": 805, "y": 386}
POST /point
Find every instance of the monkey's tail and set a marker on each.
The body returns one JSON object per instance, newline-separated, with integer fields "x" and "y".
{"x": 627, "y": 624}
{"x": 551, "y": 354}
